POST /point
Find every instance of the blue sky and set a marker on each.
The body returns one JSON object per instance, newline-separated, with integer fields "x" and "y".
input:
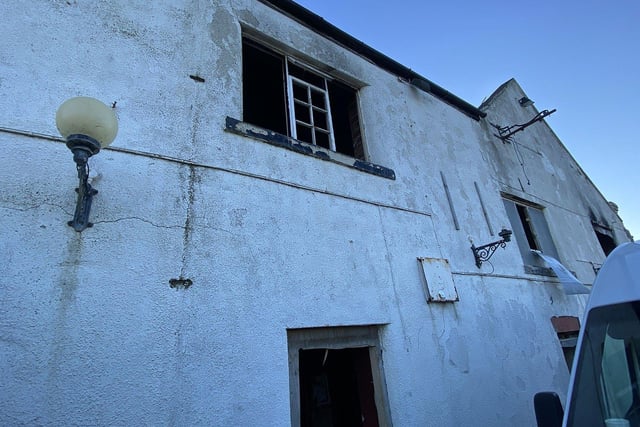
{"x": 580, "y": 57}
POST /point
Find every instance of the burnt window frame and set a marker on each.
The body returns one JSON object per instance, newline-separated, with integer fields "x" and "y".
{"x": 605, "y": 236}
{"x": 344, "y": 122}
{"x": 530, "y": 231}
{"x": 311, "y": 110}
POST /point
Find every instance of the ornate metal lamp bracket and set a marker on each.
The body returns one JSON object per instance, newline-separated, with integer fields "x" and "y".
{"x": 484, "y": 252}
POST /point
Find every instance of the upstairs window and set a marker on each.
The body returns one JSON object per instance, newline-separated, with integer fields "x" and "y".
{"x": 285, "y": 96}
{"x": 531, "y": 231}
{"x": 605, "y": 238}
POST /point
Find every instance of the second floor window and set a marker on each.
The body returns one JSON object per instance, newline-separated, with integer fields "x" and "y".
{"x": 531, "y": 231}
{"x": 288, "y": 97}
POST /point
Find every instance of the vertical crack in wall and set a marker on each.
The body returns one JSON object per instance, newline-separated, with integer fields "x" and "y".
{"x": 388, "y": 255}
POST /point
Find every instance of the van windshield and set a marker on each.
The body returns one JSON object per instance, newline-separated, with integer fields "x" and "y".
{"x": 606, "y": 389}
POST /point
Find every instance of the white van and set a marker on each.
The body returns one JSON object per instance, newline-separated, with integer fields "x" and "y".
{"x": 604, "y": 389}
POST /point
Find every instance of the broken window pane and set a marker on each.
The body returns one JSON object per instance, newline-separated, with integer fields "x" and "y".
{"x": 320, "y": 120}
{"x": 281, "y": 95}
{"x": 605, "y": 238}
{"x": 526, "y": 225}
{"x": 317, "y": 99}
{"x": 304, "y": 133}
{"x": 322, "y": 139}
{"x": 302, "y": 113}
{"x": 530, "y": 231}
{"x": 263, "y": 96}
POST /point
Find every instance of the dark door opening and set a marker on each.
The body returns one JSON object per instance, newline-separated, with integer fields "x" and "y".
{"x": 336, "y": 388}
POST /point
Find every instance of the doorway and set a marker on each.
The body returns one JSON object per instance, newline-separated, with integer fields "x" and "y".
{"x": 335, "y": 377}
{"x": 336, "y": 388}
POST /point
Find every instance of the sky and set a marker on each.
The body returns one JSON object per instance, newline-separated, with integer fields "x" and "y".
{"x": 579, "y": 57}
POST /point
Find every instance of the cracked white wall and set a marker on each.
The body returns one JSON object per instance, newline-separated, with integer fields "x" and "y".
{"x": 91, "y": 331}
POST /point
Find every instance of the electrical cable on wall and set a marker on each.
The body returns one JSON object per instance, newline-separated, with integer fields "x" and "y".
{"x": 520, "y": 160}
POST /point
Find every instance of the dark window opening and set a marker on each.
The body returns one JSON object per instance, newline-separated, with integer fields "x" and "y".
{"x": 346, "y": 124}
{"x": 289, "y": 99}
{"x": 336, "y": 388}
{"x": 607, "y": 243}
{"x": 264, "y": 95}
{"x": 530, "y": 231}
{"x": 526, "y": 225}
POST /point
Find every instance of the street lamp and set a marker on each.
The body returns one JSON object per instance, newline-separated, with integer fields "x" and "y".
{"x": 87, "y": 125}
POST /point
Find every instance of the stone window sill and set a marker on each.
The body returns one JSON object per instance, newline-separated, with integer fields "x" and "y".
{"x": 539, "y": 271}
{"x": 246, "y": 129}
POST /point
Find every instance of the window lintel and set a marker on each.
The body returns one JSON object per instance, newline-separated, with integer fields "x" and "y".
{"x": 521, "y": 201}
{"x": 300, "y": 59}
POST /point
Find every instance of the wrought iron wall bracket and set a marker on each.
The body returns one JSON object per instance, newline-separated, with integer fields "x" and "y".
{"x": 505, "y": 133}
{"x": 485, "y": 252}
{"x": 85, "y": 192}
{"x": 82, "y": 148}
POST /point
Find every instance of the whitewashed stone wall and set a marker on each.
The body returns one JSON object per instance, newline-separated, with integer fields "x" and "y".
{"x": 92, "y": 333}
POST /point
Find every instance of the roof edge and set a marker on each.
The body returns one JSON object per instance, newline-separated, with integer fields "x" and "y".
{"x": 487, "y": 102}
{"x": 330, "y": 31}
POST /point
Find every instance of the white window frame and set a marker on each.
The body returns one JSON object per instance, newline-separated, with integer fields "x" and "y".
{"x": 292, "y": 101}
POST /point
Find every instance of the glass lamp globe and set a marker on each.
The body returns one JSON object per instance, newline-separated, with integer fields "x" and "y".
{"x": 87, "y": 117}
